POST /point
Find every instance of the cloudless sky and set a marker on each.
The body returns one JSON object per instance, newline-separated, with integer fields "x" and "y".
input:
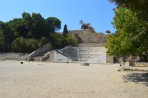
{"x": 97, "y": 12}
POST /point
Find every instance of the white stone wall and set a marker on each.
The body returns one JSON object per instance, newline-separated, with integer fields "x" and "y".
{"x": 91, "y": 44}
{"x": 81, "y": 54}
{"x": 60, "y": 58}
{"x": 14, "y": 56}
{"x": 100, "y": 58}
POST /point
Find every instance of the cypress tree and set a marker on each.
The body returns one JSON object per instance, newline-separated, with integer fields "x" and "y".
{"x": 65, "y": 31}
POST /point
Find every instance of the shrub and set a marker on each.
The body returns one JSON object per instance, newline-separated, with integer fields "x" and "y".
{"x": 25, "y": 45}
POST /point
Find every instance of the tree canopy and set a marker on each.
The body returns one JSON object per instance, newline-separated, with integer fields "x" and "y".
{"x": 54, "y": 24}
{"x": 131, "y": 36}
{"x": 30, "y": 32}
{"x": 86, "y": 26}
{"x": 6, "y": 37}
{"x": 138, "y": 6}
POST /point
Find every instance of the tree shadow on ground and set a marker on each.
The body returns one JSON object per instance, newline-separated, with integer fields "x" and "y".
{"x": 137, "y": 78}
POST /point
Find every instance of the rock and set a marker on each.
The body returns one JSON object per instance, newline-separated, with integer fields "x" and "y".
{"x": 86, "y": 64}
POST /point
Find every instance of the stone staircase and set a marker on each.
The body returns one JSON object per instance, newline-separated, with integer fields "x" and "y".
{"x": 69, "y": 52}
{"x": 44, "y": 57}
{"x": 81, "y": 53}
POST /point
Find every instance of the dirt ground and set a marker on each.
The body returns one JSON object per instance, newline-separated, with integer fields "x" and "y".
{"x": 62, "y": 80}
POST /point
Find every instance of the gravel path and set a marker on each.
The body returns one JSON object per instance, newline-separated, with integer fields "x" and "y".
{"x": 59, "y": 80}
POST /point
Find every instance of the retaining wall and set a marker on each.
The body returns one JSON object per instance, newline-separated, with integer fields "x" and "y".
{"x": 138, "y": 64}
{"x": 81, "y": 54}
{"x": 142, "y": 64}
{"x": 13, "y": 56}
{"x": 91, "y": 44}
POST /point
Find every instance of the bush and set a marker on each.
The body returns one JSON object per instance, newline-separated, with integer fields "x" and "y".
{"x": 68, "y": 40}
{"x": 56, "y": 40}
{"x": 25, "y": 45}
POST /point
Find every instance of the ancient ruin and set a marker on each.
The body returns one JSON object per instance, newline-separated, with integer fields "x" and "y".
{"x": 90, "y": 49}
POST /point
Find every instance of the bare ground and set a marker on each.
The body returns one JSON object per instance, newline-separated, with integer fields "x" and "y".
{"x": 60, "y": 80}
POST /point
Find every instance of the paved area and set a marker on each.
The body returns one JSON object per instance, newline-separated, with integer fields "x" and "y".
{"x": 60, "y": 80}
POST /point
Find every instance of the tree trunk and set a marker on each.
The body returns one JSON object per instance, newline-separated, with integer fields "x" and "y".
{"x": 119, "y": 60}
{"x": 143, "y": 57}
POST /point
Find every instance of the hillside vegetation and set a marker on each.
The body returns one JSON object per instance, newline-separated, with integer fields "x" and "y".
{"x": 31, "y": 32}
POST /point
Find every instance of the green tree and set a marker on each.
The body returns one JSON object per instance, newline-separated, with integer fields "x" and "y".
{"x": 56, "y": 40}
{"x": 138, "y": 6}
{"x": 37, "y": 26}
{"x": 25, "y": 45}
{"x": 65, "y": 31}
{"x": 68, "y": 40}
{"x": 34, "y": 26}
{"x": 108, "y": 31}
{"x": 6, "y": 37}
{"x": 2, "y": 42}
{"x": 17, "y": 27}
{"x": 27, "y": 23}
{"x": 29, "y": 32}
{"x": 85, "y": 26}
{"x": 54, "y": 24}
{"x": 131, "y": 36}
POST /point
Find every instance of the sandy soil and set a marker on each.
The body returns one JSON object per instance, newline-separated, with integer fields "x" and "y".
{"x": 59, "y": 80}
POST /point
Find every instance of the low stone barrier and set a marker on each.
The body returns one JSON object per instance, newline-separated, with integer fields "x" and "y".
{"x": 13, "y": 56}
{"x": 138, "y": 64}
{"x": 133, "y": 69}
{"x": 141, "y": 64}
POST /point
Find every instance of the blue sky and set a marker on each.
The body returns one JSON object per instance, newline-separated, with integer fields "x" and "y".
{"x": 97, "y": 12}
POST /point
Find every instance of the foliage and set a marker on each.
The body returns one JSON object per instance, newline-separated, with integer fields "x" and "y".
{"x": 56, "y": 40}
{"x": 54, "y": 24}
{"x": 117, "y": 45}
{"x": 132, "y": 25}
{"x": 34, "y": 26}
{"x": 131, "y": 36}
{"x": 60, "y": 41}
{"x": 132, "y": 4}
{"x": 138, "y": 6}
{"x": 6, "y": 37}
{"x": 65, "y": 30}
{"x": 108, "y": 31}
{"x": 86, "y": 26}
{"x": 25, "y": 45}
{"x": 2, "y": 42}
{"x": 68, "y": 40}
{"x": 31, "y": 31}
